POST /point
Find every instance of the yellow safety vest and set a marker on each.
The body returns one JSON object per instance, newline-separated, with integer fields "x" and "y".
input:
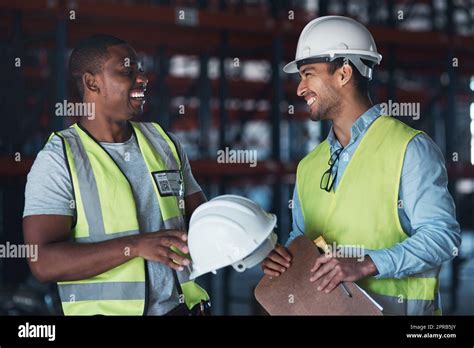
{"x": 106, "y": 209}
{"x": 363, "y": 211}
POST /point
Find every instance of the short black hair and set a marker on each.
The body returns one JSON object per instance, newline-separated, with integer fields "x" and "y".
{"x": 361, "y": 83}
{"x": 90, "y": 55}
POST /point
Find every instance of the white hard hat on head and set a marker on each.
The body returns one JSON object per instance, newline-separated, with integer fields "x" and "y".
{"x": 327, "y": 38}
{"x": 229, "y": 230}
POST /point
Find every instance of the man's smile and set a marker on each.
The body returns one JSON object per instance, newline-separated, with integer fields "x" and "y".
{"x": 310, "y": 101}
{"x": 138, "y": 96}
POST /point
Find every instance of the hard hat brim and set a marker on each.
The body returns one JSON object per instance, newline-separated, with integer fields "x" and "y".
{"x": 291, "y": 68}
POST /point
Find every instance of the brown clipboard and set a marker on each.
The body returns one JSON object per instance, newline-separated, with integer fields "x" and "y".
{"x": 293, "y": 294}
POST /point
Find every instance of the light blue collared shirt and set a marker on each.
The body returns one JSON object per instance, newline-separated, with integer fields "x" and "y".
{"x": 427, "y": 213}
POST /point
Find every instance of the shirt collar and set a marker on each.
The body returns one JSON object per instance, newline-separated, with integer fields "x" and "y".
{"x": 359, "y": 126}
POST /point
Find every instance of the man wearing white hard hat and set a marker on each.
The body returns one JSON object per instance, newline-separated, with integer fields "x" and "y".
{"x": 374, "y": 182}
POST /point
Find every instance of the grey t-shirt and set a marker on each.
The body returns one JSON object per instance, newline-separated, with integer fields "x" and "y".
{"x": 49, "y": 191}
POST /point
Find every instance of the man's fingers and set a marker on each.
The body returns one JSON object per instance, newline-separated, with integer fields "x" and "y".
{"x": 267, "y": 270}
{"x": 174, "y": 266}
{"x": 280, "y": 249}
{"x": 168, "y": 262}
{"x": 180, "y": 260}
{"x": 166, "y": 256}
{"x": 271, "y": 273}
{"x": 278, "y": 259}
{"x": 175, "y": 233}
{"x": 322, "y": 271}
{"x": 176, "y": 242}
{"x": 322, "y": 259}
{"x": 316, "y": 265}
{"x": 327, "y": 279}
{"x": 333, "y": 283}
{"x": 273, "y": 266}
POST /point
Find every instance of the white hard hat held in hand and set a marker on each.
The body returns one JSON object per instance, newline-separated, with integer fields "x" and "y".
{"x": 229, "y": 230}
{"x": 327, "y": 38}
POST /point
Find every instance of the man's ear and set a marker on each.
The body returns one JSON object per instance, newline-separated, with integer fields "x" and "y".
{"x": 345, "y": 74}
{"x": 90, "y": 82}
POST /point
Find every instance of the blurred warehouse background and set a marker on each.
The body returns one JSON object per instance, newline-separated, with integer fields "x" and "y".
{"x": 216, "y": 81}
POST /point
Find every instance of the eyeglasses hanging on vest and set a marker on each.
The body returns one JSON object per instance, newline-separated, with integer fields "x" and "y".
{"x": 328, "y": 179}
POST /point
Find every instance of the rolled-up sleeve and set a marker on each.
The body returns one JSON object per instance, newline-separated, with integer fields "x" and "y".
{"x": 435, "y": 234}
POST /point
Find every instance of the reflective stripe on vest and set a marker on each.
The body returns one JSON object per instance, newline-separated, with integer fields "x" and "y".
{"x": 363, "y": 211}
{"x": 105, "y": 209}
{"x": 172, "y": 216}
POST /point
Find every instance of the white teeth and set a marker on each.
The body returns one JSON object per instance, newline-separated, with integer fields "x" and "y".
{"x": 311, "y": 101}
{"x": 137, "y": 95}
